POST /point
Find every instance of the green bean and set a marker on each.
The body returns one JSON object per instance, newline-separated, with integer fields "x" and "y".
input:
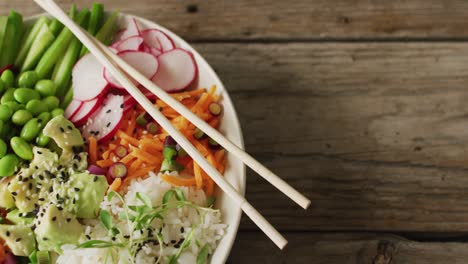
{"x": 31, "y": 129}
{"x": 42, "y": 41}
{"x": 21, "y": 148}
{"x": 57, "y": 112}
{"x": 21, "y": 117}
{"x": 46, "y": 87}
{"x": 51, "y": 102}
{"x": 5, "y": 112}
{"x": 44, "y": 118}
{"x": 12, "y": 40}
{"x": 3, "y": 148}
{"x": 95, "y": 21}
{"x": 107, "y": 31}
{"x": 67, "y": 98}
{"x": 27, "y": 79}
{"x": 28, "y": 41}
{"x": 8, "y": 78}
{"x": 36, "y": 107}
{"x": 42, "y": 140}
{"x": 8, "y": 165}
{"x": 55, "y": 27}
{"x": 24, "y": 95}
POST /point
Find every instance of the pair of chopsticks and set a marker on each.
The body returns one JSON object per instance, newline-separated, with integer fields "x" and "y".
{"x": 115, "y": 65}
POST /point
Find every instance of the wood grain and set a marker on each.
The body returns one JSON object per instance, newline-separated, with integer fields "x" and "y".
{"x": 374, "y": 133}
{"x": 198, "y": 20}
{"x": 350, "y": 248}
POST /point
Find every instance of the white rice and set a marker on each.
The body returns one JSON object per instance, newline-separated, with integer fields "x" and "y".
{"x": 176, "y": 220}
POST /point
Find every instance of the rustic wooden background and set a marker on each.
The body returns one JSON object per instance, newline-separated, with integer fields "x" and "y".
{"x": 360, "y": 104}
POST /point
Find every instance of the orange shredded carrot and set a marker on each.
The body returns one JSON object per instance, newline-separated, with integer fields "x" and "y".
{"x": 209, "y": 187}
{"x": 178, "y": 181}
{"x": 135, "y": 166}
{"x": 126, "y": 160}
{"x": 93, "y": 152}
{"x": 198, "y": 175}
{"x": 188, "y": 94}
{"x": 140, "y": 173}
{"x": 214, "y": 122}
{"x": 116, "y": 185}
{"x": 104, "y": 163}
{"x": 147, "y": 157}
{"x": 131, "y": 123}
{"x": 203, "y": 150}
{"x": 125, "y": 136}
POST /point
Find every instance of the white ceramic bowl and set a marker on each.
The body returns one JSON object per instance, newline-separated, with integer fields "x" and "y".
{"x": 230, "y": 127}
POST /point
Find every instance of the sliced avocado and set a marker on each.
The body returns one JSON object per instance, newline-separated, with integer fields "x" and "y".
{"x": 19, "y": 239}
{"x": 55, "y": 228}
{"x": 17, "y": 217}
{"x": 42, "y": 155}
{"x": 24, "y": 201}
{"x": 6, "y": 199}
{"x": 92, "y": 189}
{"x": 63, "y": 132}
{"x": 79, "y": 162}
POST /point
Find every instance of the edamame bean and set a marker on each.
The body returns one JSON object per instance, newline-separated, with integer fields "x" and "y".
{"x": 8, "y": 96}
{"x": 42, "y": 140}
{"x": 46, "y": 87}
{"x": 51, "y": 102}
{"x": 31, "y": 129}
{"x": 14, "y": 106}
{"x": 21, "y": 117}
{"x": 5, "y": 112}
{"x": 8, "y": 78}
{"x": 57, "y": 112}
{"x": 2, "y": 86}
{"x": 24, "y": 95}
{"x": 27, "y": 79}
{"x": 3, "y": 148}
{"x": 43, "y": 118}
{"x": 21, "y": 148}
{"x": 36, "y": 107}
{"x": 8, "y": 165}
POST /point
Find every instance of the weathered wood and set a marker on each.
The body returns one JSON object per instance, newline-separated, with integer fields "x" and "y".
{"x": 375, "y": 134}
{"x": 294, "y": 19}
{"x": 345, "y": 248}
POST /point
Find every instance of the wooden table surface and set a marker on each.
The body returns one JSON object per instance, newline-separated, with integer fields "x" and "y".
{"x": 360, "y": 104}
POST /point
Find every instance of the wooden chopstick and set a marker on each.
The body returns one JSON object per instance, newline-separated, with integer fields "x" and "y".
{"x": 52, "y": 8}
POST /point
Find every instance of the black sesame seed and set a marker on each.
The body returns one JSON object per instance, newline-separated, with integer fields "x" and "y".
{"x": 41, "y": 177}
{"x": 88, "y": 237}
{"x": 60, "y": 208}
{"x": 68, "y": 219}
{"x": 108, "y": 124}
{"x": 45, "y": 239}
{"x": 113, "y": 238}
{"x": 173, "y": 241}
{"x": 77, "y": 189}
{"x": 30, "y": 186}
{"x": 108, "y": 111}
{"x": 182, "y": 229}
{"x": 122, "y": 106}
{"x": 177, "y": 246}
{"x": 14, "y": 193}
{"x": 62, "y": 130}
{"x": 20, "y": 178}
{"x": 7, "y": 233}
{"x": 95, "y": 179}
{"x": 70, "y": 127}
{"x": 54, "y": 218}
{"x": 51, "y": 189}
{"x": 36, "y": 167}
{"x": 41, "y": 199}
{"x": 18, "y": 239}
{"x": 39, "y": 152}
{"x": 127, "y": 237}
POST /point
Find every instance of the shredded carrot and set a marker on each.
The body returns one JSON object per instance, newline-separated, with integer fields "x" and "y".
{"x": 147, "y": 157}
{"x": 93, "y": 152}
{"x": 188, "y": 94}
{"x": 198, "y": 175}
{"x": 209, "y": 187}
{"x": 214, "y": 122}
{"x": 128, "y": 138}
{"x": 126, "y": 160}
{"x": 104, "y": 163}
{"x": 178, "y": 181}
{"x": 116, "y": 185}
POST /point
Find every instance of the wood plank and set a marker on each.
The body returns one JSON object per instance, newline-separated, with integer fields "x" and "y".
{"x": 295, "y": 19}
{"x": 375, "y": 134}
{"x": 251, "y": 247}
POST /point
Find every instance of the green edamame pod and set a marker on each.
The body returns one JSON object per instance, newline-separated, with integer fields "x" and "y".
{"x": 3, "y": 148}
{"x": 57, "y": 112}
{"x": 24, "y": 95}
{"x": 46, "y": 87}
{"x": 43, "y": 118}
{"x": 42, "y": 140}
{"x": 8, "y": 165}
{"x": 5, "y": 112}
{"x": 27, "y": 79}
{"x": 51, "y": 102}
{"x": 36, "y": 107}
{"x": 2, "y": 86}
{"x": 21, "y": 148}
{"x": 14, "y": 106}
{"x": 21, "y": 117}
{"x": 8, "y": 96}
{"x": 8, "y": 78}
{"x": 31, "y": 129}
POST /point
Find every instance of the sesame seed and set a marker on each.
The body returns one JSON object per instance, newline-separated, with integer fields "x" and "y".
{"x": 95, "y": 179}
{"x": 77, "y": 189}
{"x": 62, "y": 130}
{"x": 108, "y": 111}
{"x": 70, "y": 127}
{"x": 54, "y": 218}
{"x": 7, "y": 233}
{"x": 18, "y": 239}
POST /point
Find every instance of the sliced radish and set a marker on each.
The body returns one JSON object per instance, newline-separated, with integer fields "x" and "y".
{"x": 177, "y": 70}
{"x": 132, "y": 30}
{"x": 119, "y": 34}
{"x": 131, "y": 43}
{"x": 157, "y": 39}
{"x": 145, "y": 63}
{"x": 85, "y": 111}
{"x": 155, "y": 52}
{"x": 104, "y": 123}
{"x": 88, "y": 82}
{"x": 72, "y": 108}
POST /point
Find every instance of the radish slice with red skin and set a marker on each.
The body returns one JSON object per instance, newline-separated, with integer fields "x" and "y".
{"x": 88, "y": 80}
{"x": 177, "y": 70}
{"x": 145, "y": 63}
{"x": 72, "y": 108}
{"x": 119, "y": 34}
{"x": 104, "y": 123}
{"x": 157, "y": 39}
{"x": 132, "y": 43}
{"x": 85, "y": 111}
{"x": 155, "y": 52}
{"x": 132, "y": 30}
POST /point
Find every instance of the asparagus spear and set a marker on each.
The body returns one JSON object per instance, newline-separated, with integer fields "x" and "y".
{"x": 106, "y": 33}
{"x": 95, "y": 21}
{"x": 27, "y": 43}
{"x": 55, "y": 27}
{"x": 39, "y": 45}
{"x": 12, "y": 38}
{"x": 58, "y": 48}
{"x": 3, "y": 28}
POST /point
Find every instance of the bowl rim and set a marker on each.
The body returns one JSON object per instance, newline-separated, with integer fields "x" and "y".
{"x": 226, "y": 97}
